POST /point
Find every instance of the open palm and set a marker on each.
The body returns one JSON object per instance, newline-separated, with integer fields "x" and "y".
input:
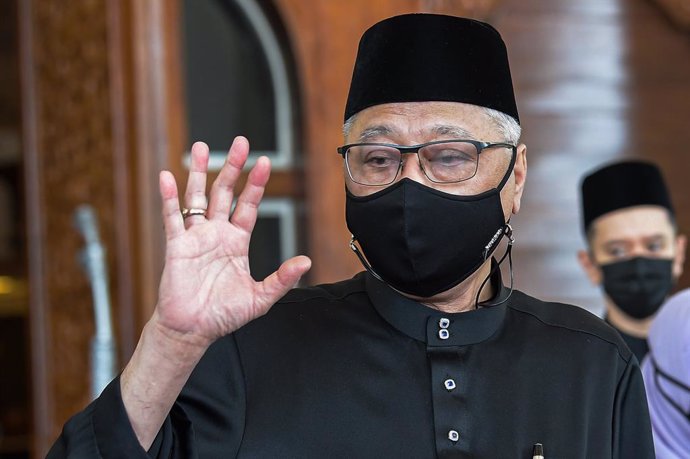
{"x": 206, "y": 289}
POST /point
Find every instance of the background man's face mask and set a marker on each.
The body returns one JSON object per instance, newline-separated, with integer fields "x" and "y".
{"x": 422, "y": 241}
{"x": 638, "y": 286}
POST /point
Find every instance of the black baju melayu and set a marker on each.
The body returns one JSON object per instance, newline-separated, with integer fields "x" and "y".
{"x": 355, "y": 370}
{"x": 638, "y": 346}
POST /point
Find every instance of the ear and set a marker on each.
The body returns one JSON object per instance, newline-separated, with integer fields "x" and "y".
{"x": 679, "y": 257}
{"x": 519, "y": 174}
{"x": 590, "y": 267}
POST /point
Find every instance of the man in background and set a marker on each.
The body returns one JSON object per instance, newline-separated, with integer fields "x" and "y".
{"x": 634, "y": 250}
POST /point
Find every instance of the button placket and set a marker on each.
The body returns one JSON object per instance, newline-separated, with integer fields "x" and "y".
{"x": 450, "y": 415}
{"x": 443, "y": 324}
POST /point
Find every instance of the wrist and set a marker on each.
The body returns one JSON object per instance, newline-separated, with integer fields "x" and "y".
{"x": 155, "y": 376}
{"x": 180, "y": 344}
{"x": 162, "y": 362}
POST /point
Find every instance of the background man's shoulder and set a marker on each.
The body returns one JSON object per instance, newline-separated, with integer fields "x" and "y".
{"x": 570, "y": 320}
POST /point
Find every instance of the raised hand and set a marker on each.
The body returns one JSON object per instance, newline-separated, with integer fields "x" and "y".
{"x": 206, "y": 289}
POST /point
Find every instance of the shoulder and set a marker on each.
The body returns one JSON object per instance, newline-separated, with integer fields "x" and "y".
{"x": 317, "y": 306}
{"x": 569, "y": 320}
{"x": 325, "y": 293}
{"x": 311, "y": 315}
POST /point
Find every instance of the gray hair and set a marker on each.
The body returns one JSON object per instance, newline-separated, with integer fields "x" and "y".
{"x": 507, "y": 126}
{"x": 347, "y": 127}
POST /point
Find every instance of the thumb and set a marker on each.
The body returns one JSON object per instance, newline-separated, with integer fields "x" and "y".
{"x": 279, "y": 282}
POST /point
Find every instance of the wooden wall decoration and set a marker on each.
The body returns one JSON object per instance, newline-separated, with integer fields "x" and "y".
{"x": 69, "y": 160}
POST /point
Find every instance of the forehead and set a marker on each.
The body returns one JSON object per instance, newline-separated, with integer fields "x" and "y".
{"x": 633, "y": 223}
{"x": 423, "y": 120}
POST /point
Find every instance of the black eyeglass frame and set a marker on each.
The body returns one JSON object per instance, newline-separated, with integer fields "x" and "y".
{"x": 408, "y": 149}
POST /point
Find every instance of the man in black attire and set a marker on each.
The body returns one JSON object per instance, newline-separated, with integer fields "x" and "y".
{"x": 427, "y": 353}
{"x": 634, "y": 251}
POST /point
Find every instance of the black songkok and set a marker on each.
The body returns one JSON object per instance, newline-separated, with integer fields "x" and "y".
{"x": 430, "y": 57}
{"x": 621, "y": 185}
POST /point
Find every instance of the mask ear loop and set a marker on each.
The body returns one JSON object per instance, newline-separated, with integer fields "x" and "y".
{"x": 363, "y": 260}
{"x": 508, "y": 232}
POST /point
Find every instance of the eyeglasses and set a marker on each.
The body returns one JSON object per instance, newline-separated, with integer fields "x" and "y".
{"x": 442, "y": 161}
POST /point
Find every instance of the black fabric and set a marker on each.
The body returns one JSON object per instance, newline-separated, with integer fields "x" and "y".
{"x": 638, "y": 286}
{"x": 354, "y": 369}
{"x": 423, "y": 241}
{"x": 621, "y": 185}
{"x": 638, "y": 346}
{"x": 97, "y": 421}
{"x": 430, "y": 57}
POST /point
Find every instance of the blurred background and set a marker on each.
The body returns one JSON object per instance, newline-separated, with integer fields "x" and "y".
{"x": 97, "y": 96}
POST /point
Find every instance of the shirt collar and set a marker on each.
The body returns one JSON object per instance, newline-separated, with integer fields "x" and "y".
{"x": 426, "y": 324}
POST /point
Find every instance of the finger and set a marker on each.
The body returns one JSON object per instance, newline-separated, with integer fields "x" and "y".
{"x": 222, "y": 189}
{"x": 195, "y": 193}
{"x": 275, "y": 286}
{"x": 172, "y": 217}
{"x": 247, "y": 206}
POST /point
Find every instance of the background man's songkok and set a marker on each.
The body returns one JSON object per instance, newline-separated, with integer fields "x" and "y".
{"x": 621, "y": 185}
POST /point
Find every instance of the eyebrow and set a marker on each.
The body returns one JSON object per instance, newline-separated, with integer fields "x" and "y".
{"x": 653, "y": 237}
{"x": 441, "y": 130}
{"x": 374, "y": 132}
{"x": 451, "y": 131}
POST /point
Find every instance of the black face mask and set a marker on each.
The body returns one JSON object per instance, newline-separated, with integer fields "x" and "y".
{"x": 638, "y": 286}
{"x": 422, "y": 241}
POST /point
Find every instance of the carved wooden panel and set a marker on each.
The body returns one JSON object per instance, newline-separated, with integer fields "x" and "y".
{"x": 69, "y": 162}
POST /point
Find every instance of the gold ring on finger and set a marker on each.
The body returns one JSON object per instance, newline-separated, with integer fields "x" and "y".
{"x": 192, "y": 211}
